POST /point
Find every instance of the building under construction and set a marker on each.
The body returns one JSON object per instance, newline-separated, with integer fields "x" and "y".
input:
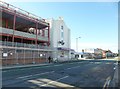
{"x": 24, "y": 37}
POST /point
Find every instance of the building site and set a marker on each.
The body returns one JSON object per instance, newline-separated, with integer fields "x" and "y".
{"x": 30, "y": 39}
{"x": 25, "y": 37}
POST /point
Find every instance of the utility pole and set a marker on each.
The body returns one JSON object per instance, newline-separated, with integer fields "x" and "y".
{"x": 77, "y": 43}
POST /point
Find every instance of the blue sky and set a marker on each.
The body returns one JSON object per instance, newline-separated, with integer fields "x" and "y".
{"x": 95, "y": 22}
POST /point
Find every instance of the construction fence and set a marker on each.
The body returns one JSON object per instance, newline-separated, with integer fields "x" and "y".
{"x": 15, "y": 56}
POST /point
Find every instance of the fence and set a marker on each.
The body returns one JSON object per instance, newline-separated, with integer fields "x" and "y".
{"x": 13, "y": 56}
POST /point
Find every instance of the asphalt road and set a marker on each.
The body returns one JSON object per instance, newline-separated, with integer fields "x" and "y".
{"x": 81, "y": 74}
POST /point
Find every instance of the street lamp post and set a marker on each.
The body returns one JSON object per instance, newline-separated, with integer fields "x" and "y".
{"x": 77, "y": 43}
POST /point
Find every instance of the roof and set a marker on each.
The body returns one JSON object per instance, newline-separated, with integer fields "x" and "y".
{"x": 65, "y": 49}
{"x": 82, "y": 53}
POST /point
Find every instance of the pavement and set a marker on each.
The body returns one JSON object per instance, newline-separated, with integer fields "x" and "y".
{"x": 34, "y": 65}
{"x": 75, "y": 75}
{"x": 46, "y": 63}
{"x": 24, "y": 66}
{"x": 115, "y": 77}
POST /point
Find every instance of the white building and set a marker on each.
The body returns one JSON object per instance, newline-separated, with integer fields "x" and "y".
{"x": 92, "y": 50}
{"x": 59, "y": 39}
{"x": 96, "y": 52}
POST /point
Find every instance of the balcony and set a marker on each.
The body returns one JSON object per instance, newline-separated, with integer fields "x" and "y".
{"x": 24, "y": 45}
{"x": 6, "y": 31}
{"x": 22, "y": 34}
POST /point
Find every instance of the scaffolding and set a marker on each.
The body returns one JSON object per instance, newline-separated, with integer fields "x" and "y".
{"x": 18, "y": 45}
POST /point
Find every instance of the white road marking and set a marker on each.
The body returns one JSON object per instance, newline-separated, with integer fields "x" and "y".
{"x": 36, "y": 67}
{"x": 58, "y": 65}
{"x": 52, "y": 82}
{"x": 27, "y": 68}
{"x": 72, "y": 67}
{"x": 108, "y": 63}
{"x": 97, "y": 62}
{"x": 107, "y": 82}
{"x": 34, "y": 75}
{"x": 62, "y": 78}
{"x": 24, "y": 76}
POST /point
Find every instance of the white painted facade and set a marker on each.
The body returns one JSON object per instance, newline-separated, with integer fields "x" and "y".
{"x": 59, "y": 32}
{"x": 92, "y": 50}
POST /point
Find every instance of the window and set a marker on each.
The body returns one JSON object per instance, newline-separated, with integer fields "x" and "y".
{"x": 62, "y": 27}
{"x": 62, "y": 35}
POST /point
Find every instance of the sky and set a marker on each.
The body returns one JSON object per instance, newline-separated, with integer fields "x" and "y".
{"x": 95, "y": 22}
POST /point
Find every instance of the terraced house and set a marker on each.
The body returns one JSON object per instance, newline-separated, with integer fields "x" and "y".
{"x": 25, "y": 37}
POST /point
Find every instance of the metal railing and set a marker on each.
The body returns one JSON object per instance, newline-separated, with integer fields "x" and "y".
{"x": 16, "y": 44}
{"x": 6, "y": 31}
{"x": 22, "y": 34}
